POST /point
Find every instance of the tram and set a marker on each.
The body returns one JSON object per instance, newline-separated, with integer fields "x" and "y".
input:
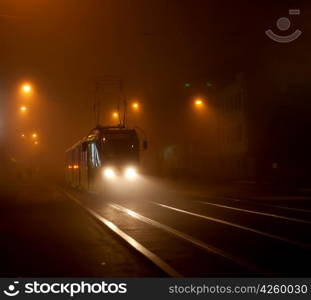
{"x": 106, "y": 153}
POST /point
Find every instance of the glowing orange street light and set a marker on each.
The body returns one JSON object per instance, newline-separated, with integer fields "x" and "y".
{"x": 23, "y": 108}
{"x": 23, "y": 135}
{"x": 26, "y": 88}
{"x": 115, "y": 115}
{"x": 34, "y": 135}
{"x": 135, "y": 106}
{"x": 198, "y": 102}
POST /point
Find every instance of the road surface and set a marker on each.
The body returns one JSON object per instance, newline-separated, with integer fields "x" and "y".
{"x": 145, "y": 229}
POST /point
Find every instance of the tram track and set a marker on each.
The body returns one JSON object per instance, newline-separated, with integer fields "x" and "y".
{"x": 151, "y": 256}
{"x": 263, "y": 204}
{"x": 141, "y": 225}
{"x": 256, "y": 212}
{"x": 188, "y": 238}
{"x": 246, "y": 228}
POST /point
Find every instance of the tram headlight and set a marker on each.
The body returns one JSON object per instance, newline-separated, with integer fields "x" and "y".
{"x": 130, "y": 173}
{"x": 109, "y": 173}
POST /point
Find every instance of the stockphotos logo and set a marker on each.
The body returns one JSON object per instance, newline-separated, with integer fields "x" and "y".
{"x": 71, "y": 289}
{"x": 12, "y": 290}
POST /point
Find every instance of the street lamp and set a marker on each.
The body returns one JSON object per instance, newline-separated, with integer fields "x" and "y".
{"x": 135, "y": 106}
{"x": 26, "y": 88}
{"x": 34, "y": 135}
{"x": 115, "y": 115}
{"x": 23, "y": 108}
{"x": 198, "y": 102}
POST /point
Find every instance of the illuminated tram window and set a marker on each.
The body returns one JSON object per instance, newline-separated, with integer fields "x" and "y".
{"x": 95, "y": 160}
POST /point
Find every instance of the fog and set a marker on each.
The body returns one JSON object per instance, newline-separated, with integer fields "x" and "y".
{"x": 156, "y": 48}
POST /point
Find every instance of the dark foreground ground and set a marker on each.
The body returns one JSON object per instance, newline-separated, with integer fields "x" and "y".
{"x": 197, "y": 231}
{"x": 45, "y": 234}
